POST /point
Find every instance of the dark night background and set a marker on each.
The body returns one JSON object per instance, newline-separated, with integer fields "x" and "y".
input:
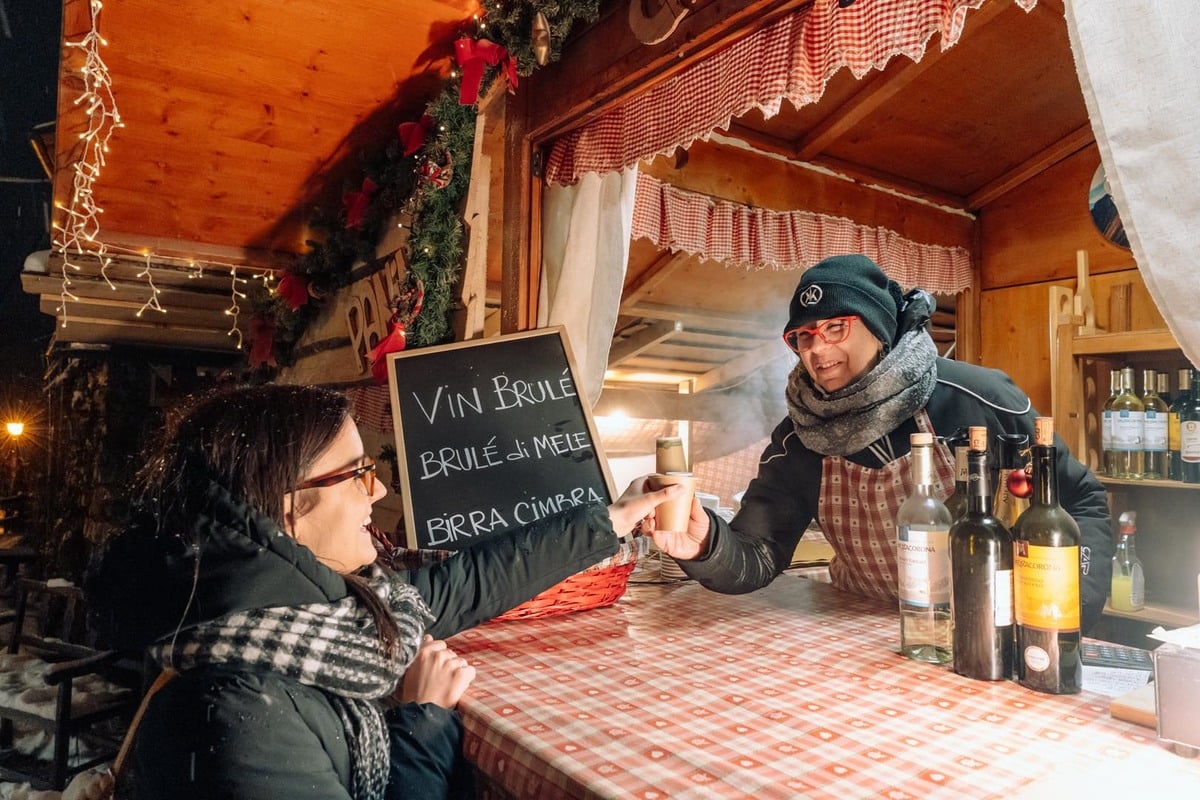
{"x": 29, "y": 34}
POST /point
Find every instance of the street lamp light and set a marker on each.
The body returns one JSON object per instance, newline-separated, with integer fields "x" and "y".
{"x": 15, "y": 429}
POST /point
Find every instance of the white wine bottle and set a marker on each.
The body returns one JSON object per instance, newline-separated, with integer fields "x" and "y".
{"x": 923, "y": 556}
{"x": 1106, "y": 422}
{"x": 981, "y": 558}
{"x": 1128, "y": 429}
{"x": 1046, "y": 580}
{"x": 1155, "y": 458}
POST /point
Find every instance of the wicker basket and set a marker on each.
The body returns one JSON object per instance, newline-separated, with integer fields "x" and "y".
{"x": 595, "y": 587}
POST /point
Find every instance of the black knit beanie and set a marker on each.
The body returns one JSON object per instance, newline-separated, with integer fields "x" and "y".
{"x": 843, "y": 285}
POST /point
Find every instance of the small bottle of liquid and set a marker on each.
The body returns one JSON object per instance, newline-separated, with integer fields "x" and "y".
{"x": 1128, "y": 583}
{"x": 1154, "y": 443}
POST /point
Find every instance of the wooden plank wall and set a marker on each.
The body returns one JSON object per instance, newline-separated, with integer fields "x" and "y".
{"x": 1029, "y": 238}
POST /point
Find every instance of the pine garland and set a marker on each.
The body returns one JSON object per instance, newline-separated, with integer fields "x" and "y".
{"x": 436, "y": 230}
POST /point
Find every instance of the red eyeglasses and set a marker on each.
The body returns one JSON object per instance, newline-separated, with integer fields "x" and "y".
{"x": 831, "y": 331}
{"x": 365, "y": 475}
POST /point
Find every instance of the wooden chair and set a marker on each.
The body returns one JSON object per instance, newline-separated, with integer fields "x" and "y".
{"x": 59, "y": 650}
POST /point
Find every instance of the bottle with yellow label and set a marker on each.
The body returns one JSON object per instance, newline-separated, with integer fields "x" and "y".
{"x": 1046, "y": 600}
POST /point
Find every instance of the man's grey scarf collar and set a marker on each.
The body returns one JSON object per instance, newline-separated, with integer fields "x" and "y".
{"x": 849, "y": 419}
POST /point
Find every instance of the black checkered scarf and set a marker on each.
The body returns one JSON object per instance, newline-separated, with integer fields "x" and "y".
{"x": 332, "y": 646}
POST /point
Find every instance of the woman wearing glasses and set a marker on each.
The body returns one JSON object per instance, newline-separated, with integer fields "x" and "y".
{"x": 250, "y": 570}
{"x": 868, "y": 376}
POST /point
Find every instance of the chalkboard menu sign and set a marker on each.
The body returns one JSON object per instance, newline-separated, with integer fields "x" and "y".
{"x": 491, "y": 434}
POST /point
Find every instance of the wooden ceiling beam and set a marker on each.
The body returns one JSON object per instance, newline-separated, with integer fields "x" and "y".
{"x": 651, "y": 279}
{"x": 629, "y": 346}
{"x": 734, "y": 369}
{"x": 882, "y": 180}
{"x": 608, "y": 64}
{"x": 694, "y": 319}
{"x": 1067, "y": 146}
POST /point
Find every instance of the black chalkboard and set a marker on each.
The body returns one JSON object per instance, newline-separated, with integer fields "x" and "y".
{"x": 491, "y": 434}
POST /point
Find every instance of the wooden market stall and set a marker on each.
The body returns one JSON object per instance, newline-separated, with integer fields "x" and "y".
{"x": 967, "y": 141}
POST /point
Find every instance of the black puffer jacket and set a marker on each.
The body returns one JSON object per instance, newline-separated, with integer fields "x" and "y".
{"x": 219, "y": 732}
{"x": 781, "y": 501}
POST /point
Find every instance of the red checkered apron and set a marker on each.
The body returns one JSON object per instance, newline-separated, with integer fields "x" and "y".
{"x": 857, "y": 512}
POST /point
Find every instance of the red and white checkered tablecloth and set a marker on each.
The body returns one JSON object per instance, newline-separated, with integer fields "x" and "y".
{"x": 796, "y": 690}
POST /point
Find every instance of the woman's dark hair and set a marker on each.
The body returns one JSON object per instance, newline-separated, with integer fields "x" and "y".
{"x": 258, "y": 442}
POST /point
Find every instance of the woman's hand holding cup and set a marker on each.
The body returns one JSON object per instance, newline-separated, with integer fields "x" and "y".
{"x": 680, "y": 533}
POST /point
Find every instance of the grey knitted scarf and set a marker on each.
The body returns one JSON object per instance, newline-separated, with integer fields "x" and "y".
{"x": 332, "y": 646}
{"x": 846, "y": 421}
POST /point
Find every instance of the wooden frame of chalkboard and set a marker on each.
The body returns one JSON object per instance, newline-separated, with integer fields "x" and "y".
{"x": 491, "y": 434}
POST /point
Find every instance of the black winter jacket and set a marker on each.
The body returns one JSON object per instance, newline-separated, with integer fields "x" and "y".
{"x": 747, "y": 553}
{"x": 220, "y": 732}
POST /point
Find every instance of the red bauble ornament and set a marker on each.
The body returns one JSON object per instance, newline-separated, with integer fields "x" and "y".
{"x": 1020, "y": 484}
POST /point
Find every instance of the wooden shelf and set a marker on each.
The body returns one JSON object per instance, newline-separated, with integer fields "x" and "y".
{"x": 1158, "y": 614}
{"x": 1146, "y": 341}
{"x": 1139, "y": 484}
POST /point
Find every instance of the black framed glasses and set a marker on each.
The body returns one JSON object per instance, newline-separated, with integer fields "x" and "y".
{"x": 831, "y": 331}
{"x": 365, "y": 476}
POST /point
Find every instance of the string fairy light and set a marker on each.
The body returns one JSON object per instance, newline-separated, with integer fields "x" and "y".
{"x": 79, "y": 233}
{"x": 154, "y": 290}
{"x": 234, "y": 309}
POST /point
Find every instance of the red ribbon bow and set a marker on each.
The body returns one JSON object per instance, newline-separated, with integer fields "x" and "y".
{"x": 413, "y": 134}
{"x": 262, "y": 341}
{"x": 356, "y": 203}
{"x": 292, "y": 290}
{"x": 472, "y": 56}
{"x": 407, "y": 306}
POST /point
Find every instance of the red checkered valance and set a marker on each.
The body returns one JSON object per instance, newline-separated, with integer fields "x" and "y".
{"x": 791, "y": 59}
{"x": 677, "y": 219}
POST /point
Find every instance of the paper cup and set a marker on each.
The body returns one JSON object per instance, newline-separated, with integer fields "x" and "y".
{"x": 668, "y": 455}
{"x": 673, "y": 515}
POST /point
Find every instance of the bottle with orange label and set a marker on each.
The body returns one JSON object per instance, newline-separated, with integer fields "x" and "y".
{"x": 1046, "y": 599}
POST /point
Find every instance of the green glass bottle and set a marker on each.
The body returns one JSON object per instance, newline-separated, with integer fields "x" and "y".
{"x": 1189, "y": 434}
{"x": 1046, "y": 599}
{"x": 1182, "y": 398}
{"x": 981, "y": 561}
{"x": 956, "y": 503}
